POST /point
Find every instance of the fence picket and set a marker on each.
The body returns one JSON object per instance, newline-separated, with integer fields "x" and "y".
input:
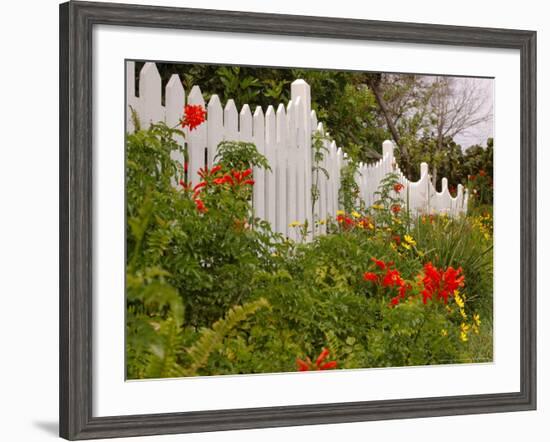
{"x": 271, "y": 175}
{"x": 215, "y": 128}
{"x": 258, "y": 138}
{"x": 196, "y": 139}
{"x": 175, "y": 101}
{"x": 150, "y": 108}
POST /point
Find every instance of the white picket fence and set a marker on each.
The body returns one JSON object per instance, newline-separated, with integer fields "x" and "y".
{"x": 284, "y": 136}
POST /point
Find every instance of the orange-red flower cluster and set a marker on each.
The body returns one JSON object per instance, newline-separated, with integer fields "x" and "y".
{"x": 210, "y": 176}
{"x": 345, "y": 220}
{"x": 320, "y": 363}
{"x": 386, "y": 275}
{"x": 235, "y": 178}
{"x": 440, "y": 283}
{"x": 396, "y": 208}
{"x": 398, "y": 187}
{"x": 193, "y": 116}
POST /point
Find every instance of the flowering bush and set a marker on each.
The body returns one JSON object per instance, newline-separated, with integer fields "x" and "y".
{"x": 213, "y": 290}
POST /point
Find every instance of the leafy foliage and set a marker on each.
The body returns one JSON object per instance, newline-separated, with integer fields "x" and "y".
{"x": 212, "y": 290}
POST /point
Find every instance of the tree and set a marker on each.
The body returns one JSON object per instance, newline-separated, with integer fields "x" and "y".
{"x": 456, "y": 106}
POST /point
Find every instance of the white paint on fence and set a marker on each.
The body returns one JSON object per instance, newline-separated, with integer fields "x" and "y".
{"x": 283, "y": 194}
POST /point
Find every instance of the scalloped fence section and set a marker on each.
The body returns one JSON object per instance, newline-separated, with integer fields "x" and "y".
{"x": 284, "y": 135}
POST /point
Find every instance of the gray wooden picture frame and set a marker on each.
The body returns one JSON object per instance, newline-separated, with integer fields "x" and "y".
{"x": 77, "y": 20}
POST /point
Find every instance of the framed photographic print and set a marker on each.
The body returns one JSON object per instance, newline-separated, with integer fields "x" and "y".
{"x": 271, "y": 220}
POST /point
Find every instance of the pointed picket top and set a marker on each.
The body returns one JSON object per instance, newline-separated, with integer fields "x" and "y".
{"x": 270, "y": 125}
{"x": 258, "y": 111}
{"x": 281, "y": 123}
{"x": 314, "y": 119}
{"x": 174, "y": 86}
{"x": 231, "y": 120}
{"x": 258, "y": 124}
{"x": 258, "y": 129}
{"x": 175, "y": 100}
{"x": 195, "y": 96}
{"x": 321, "y": 129}
{"x": 213, "y": 104}
{"x": 291, "y": 114}
{"x": 214, "y": 128}
{"x": 150, "y": 106}
{"x": 423, "y": 170}
{"x": 387, "y": 148}
{"x": 445, "y": 186}
{"x": 300, "y": 92}
{"x": 149, "y": 82}
{"x": 245, "y": 125}
{"x": 459, "y": 191}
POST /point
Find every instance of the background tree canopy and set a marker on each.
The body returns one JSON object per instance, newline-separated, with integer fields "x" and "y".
{"x": 421, "y": 114}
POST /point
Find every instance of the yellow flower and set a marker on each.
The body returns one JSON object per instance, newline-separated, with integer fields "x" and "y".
{"x": 409, "y": 239}
{"x": 355, "y": 214}
{"x": 393, "y": 246}
{"x": 477, "y": 321}
{"x": 459, "y": 301}
{"x": 464, "y": 327}
{"x": 340, "y": 212}
{"x": 371, "y": 226}
{"x": 322, "y": 222}
{"x": 295, "y": 224}
{"x": 444, "y": 332}
{"x": 420, "y": 253}
{"x": 377, "y": 206}
{"x": 463, "y": 313}
{"x": 463, "y": 337}
{"x": 406, "y": 246}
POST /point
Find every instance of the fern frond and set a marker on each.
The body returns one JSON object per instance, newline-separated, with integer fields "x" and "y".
{"x": 211, "y": 339}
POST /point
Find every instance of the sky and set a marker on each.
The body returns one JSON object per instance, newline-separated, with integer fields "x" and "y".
{"x": 479, "y": 134}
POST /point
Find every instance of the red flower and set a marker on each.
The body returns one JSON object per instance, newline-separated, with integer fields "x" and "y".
{"x": 200, "y": 206}
{"x": 380, "y": 264}
{"x": 235, "y": 177}
{"x": 225, "y": 179}
{"x": 240, "y": 176}
{"x": 440, "y": 283}
{"x": 396, "y": 208}
{"x": 394, "y": 301}
{"x": 320, "y": 363}
{"x": 482, "y": 173}
{"x": 369, "y": 276}
{"x": 397, "y": 239}
{"x": 205, "y": 172}
{"x": 194, "y": 116}
{"x": 199, "y": 186}
{"x": 302, "y": 365}
{"x": 322, "y": 356}
{"x": 392, "y": 278}
{"x": 403, "y": 290}
{"x": 185, "y": 166}
{"x": 328, "y": 365}
{"x": 398, "y": 187}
